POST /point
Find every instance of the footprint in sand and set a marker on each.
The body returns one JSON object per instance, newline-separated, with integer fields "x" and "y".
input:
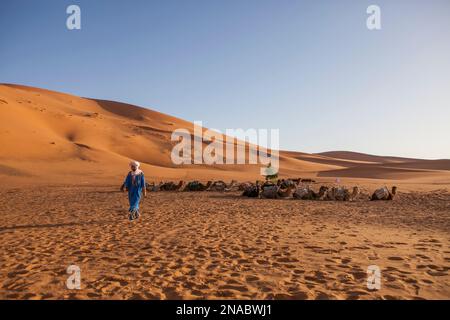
{"x": 437, "y": 273}
{"x": 251, "y": 278}
{"x": 395, "y": 258}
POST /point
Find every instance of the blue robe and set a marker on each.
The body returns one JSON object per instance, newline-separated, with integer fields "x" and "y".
{"x": 134, "y": 189}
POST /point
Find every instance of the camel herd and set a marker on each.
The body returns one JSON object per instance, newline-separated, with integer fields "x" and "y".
{"x": 192, "y": 186}
{"x": 290, "y": 189}
{"x": 285, "y": 188}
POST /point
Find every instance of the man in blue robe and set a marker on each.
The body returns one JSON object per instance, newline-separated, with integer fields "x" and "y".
{"x": 135, "y": 184}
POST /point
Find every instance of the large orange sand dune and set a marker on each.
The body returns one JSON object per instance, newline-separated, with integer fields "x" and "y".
{"x": 57, "y": 138}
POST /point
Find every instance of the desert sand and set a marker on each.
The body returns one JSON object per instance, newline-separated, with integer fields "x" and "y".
{"x": 210, "y": 245}
{"x": 63, "y": 158}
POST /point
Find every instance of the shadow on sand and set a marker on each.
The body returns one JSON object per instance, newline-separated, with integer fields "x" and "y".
{"x": 56, "y": 225}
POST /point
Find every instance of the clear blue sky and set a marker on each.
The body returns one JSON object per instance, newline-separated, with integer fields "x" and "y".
{"x": 310, "y": 68}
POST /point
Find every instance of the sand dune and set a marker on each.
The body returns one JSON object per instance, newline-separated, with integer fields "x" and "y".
{"x": 52, "y": 137}
{"x": 357, "y": 156}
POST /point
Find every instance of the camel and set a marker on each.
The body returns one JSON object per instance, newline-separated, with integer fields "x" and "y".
{"x": 222, "y": 186}
{"x": 305, "y": 193}
{"x": 352, "y": 196}
{"x": 205, "y": 187}
{"x": 289, "y": 182}
{"x": 171, "y": 186}
{"x": 338, "y": 194}
{"x": 180, "y": 186}
{"x": 384, "y": 194}
{"x": 164, "y": 186}
{"x": 217, "y": 186}
{"x": 149, "y": 186}
{"x": 269, "y": 191}
{"x": 233, "y": 186}
{"x": 197, "y": 186}
{"x": 286, "y": 192}
{"x": 244, "y": 186}
{"x": 335, "y": 194}
{"x": 153, "y": 187}
{"x": 252, "y": 191}
{"x": 322, "y": 193}
{"x": 343, "y": 194}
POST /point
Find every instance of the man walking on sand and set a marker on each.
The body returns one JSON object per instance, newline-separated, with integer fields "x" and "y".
{"x": 135, "y": 184}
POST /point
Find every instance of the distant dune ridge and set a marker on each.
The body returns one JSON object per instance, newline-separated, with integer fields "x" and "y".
{"x": 52, "y": 137}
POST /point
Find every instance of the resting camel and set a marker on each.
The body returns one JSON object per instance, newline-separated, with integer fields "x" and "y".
{"x": 252, "y": 191}
{"x": 341, "y": 194}
{"x": 197, "y": 186}
{"x": 222, "y": 186}
{"x": 269, "y": 191}
{"x": 149, "y": 186}
{"x": 322, "y": 193}
{"x": 171, "y": 186}
{"x": 153, "y": 187}
{"x": 289, "y": 182}
{"x": 305, "y": 193}
{"x": 272, "y": 191}
{"x": 384, "y": 194}
{"x": 325, "y": 193}
{"x": 233, "y": 186}
{"x": 286, "y": 192}
{"x": 244, "y": 185}
{"x": 217, "y": 186}
{"x": 352, "y": 196}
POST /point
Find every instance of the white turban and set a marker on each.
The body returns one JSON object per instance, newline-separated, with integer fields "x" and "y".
{"x": 137, "y": 171}
{"x": 135, "y": 163}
